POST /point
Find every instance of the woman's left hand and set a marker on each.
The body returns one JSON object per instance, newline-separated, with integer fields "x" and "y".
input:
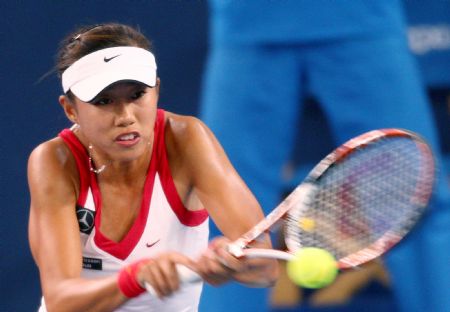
{"x": 217, "y": 265}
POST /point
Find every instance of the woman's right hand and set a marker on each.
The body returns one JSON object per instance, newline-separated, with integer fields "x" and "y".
{"x": 161, "y": 272}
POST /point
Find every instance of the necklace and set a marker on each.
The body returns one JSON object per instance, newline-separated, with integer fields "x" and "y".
{"x": 91, "y": 167}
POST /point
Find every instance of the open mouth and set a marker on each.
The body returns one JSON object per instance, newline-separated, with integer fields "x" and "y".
{"x": 128, "y": 138}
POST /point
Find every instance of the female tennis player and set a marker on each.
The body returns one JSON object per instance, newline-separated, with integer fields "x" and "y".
{"x": 124, "y": 195}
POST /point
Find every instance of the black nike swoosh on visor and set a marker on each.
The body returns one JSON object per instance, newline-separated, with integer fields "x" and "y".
{"x": 107, "y": 59}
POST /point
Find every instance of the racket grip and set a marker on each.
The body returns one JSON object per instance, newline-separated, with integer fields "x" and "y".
{"x": 186, "y": 276}
{"x": 267, "y": 254}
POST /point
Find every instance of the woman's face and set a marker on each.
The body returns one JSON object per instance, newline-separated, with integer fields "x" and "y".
{"x": 119, "y": 121}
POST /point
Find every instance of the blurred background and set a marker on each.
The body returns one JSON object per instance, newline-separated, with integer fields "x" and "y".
{"x": 29, "y": 34}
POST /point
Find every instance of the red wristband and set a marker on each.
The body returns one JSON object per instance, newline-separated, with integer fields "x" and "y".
{"x": 127, "y": 280}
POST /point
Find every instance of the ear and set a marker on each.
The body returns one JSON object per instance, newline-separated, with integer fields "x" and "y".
{"x": 158, "y": 84}
{"x": 69, "y": 108}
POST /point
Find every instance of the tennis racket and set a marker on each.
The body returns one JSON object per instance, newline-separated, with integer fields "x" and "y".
{"x": 357, "y": 203}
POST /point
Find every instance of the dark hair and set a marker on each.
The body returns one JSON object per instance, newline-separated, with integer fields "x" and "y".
{"x": 88, "y": 39}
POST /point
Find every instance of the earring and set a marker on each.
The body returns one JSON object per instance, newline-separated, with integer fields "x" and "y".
{"x": 91, "y": 167}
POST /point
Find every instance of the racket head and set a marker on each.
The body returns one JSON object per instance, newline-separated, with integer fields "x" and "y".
{"x": 363, "y": 198}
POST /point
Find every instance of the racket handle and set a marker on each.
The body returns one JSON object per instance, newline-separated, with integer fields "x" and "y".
{"x": 267, "y": 254}
{"x": 185, "y": 275}
{"x": 237, "y": 250}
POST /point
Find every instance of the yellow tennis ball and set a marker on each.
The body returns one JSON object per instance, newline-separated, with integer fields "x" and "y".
{"x": 312, "y": 268}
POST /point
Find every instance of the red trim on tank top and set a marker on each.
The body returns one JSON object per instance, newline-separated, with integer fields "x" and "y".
{"x": 88, "y": 178}
{"x": 82, "y": 161}
{"x": 185, "y": 216}
{"x": 123, "y": 248}
{"x": 158, "y": 163}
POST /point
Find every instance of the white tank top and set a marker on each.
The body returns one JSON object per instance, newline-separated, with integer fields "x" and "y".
{"x": 163, "y": 224}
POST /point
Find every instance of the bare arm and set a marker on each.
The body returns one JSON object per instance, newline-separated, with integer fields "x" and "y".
{"x": 54, "y": 236}
{"x": 229, "y": 202}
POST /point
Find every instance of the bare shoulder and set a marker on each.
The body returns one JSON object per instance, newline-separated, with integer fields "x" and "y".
{"x": 50, "y": 153}
{"x": 52, "y": 160}
{"x": 193, "y": 149}
{"x": 184, "y": 128}
{"x": 189, "y": 136}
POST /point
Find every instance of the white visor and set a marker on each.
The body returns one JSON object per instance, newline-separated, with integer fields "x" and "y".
{"x": 92, "y": 73}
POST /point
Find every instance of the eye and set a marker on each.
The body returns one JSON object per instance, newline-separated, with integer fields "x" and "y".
{"x": 138, "y": 94}
{"x": 101, "y": 101}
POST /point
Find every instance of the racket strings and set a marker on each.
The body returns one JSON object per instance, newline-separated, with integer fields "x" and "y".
{"x": 364, "y": 200}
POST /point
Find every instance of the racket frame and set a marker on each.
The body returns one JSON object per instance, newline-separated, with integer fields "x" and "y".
{"x": 302, "y": 193}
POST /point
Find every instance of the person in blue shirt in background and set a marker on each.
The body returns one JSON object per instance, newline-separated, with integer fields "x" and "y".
{"x": 429, "y": 40}
{"x": 352, "y": 57}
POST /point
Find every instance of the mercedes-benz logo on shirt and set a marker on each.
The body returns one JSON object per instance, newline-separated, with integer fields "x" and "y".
{"x": 85, "y": 219}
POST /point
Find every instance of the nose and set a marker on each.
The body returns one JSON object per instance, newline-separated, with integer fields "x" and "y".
{"x": 124, "y": 114}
